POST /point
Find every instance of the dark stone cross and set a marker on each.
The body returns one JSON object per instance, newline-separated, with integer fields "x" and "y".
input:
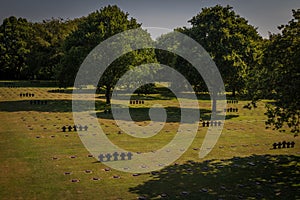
{"x": 101, "y": 157}
{"x": 292, "y": 144}
{"x": 283, "y": 144}
{"x": 122, "y": 155}
{"x": 70, "y": 128}
{"x": 279, "y": 145}
{"x": 108, "y": 156}
{"x": 129, "y": 155}
{"x": 116, "y": 155}
{"x": 207, "y": 123}
{"x": 85, "y": 127}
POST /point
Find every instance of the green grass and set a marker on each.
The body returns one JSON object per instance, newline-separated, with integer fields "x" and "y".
{"x": 242, "y": 165}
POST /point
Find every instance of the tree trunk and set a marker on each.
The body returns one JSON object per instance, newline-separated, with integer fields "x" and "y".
{"x": 214, "y": 105}
{"x": 214, "y": 102}
{"x": 107, "y": 94}
{"x": 233, "y": 92}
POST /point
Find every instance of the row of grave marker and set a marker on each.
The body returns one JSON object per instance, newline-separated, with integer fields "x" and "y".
{"x": 231, "y": 110}
{"x": 38, "y": 102}
{"x": 211, "y": 123}
{"x": 233, "y": 101}
{"x": 74, "y": 128}
{"x": 137, "y": 102}
{"x": 115, "y": 156}
{"x": 26, "y": 94}
{"x": 283, "y": 145}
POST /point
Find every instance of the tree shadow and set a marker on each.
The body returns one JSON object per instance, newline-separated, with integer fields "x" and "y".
{"x": 140, "y": 114}
{"x": 51, "y": 106}
{"x": 253, "y": 177}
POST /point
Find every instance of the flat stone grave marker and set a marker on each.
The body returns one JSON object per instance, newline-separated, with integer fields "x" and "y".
{"x": 107, "y": 169}
{"x": 116, "y": 176}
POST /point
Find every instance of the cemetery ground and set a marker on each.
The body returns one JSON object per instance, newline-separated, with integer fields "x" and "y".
{"x": 40, "y": 161}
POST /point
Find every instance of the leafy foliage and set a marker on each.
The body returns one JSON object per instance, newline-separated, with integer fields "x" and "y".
{"x": 15, "y": 37}
{"x": 230, "y": 41}
{"x": 95, "y": 28}
{"x": 282, "y": 75}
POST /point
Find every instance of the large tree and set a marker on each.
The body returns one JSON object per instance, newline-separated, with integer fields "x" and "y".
{"x": 230, "y": 41}
{"x": 95, "y": 28}
{"x": 46, "y": 49}
{"x": 278, "y": 77}
{"x": 15, "y": 46}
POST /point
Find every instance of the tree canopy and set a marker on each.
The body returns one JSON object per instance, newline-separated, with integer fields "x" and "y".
{"x": 279, "y": 76}
{"x": 230, "y": 40}
{"x": 95, "y": 28}
{"x": 15, "y": 46}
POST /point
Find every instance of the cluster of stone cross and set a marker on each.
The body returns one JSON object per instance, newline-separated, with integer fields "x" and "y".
{"x": 75, "y": 128}
{"x": 284, "y": 144}
{"x": 231, "y": 110}
{"x": 115, "y": 156}
{"x": 211, "y": 123}
{"x": 233, "y": 101}
{"x": 26, "y": 94}
{"x": 137, "y": 102}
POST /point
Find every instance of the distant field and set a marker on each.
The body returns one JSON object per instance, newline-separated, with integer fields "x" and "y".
{"x": 36, "y": 154}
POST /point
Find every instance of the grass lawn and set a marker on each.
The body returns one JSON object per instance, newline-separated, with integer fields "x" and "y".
{"x": 39, "y": 161}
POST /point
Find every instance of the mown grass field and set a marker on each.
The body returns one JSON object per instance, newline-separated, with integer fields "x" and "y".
{"x": 35, "y": 154}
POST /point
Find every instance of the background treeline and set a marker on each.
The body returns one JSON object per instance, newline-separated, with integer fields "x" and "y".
{"x": 250, "y": 65}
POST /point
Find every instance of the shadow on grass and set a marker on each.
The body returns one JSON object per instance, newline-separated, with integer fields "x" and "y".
{"x": 139, "y": 114}
{"x": 51, "y": 106}
{"x": 254, "y": 177}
